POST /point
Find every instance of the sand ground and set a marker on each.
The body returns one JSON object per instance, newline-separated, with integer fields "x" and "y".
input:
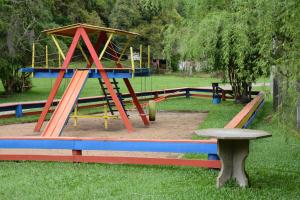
{"x": 168, "y": 125}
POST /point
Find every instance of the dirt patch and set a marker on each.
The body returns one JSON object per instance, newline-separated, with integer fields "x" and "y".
{"x": 168, "y": 125}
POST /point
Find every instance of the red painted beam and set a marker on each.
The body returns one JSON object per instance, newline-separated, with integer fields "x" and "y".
{"x": 239, "y": 120}
{"x": 106, "y": 80}
{"x": 201, "y": 95}
{"x": 115, "y": 160}
{"x": 130, "y": 88}
{"x": 137, "y": 103}
{"x": 57, "y": 82}
{"x": 96, "y": 47}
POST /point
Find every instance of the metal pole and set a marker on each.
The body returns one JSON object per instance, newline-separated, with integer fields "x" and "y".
{"x": 105, "y": 47}
{"x": 83, "y": 54}
{"x": 124, "y": 49}
{"x": 32, "y": 60}
{"x": 58, "y": 47}
{"x": 46, "y": 56}
{"x": 132, "y": 61}
{"x": 59, "y": 60}
{"x": 33, "y": 52}
{"x": 148, "y": 56}
{"x": 141, "y": 55}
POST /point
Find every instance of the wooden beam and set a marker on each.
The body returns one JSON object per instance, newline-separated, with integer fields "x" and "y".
{"x": 76, "y": 157}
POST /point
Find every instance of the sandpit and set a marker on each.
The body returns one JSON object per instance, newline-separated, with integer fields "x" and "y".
{"x": 168, "y": 126}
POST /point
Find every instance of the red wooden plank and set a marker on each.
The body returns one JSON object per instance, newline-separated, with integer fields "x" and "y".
{"x": 136, "y": 102}
{"x": 201, "y": 95}
{"x": 128, "y": 84}
{"x": 57, "y": 82}
{"x": 240, "y": 118}
{"x": 65, "y": 106}
{"x": 152, "y": 161}
{"x": 115, "y": 160}
{"x": 96, "y": 47}
{"x": 9, "y": 116}
{"x": 51, "y": 97}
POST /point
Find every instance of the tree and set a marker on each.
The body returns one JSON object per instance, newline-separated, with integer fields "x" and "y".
{"x": 148, "y": 18}
{"x": 20, "y": 21}
{"x": 125, "y": 15}
{"x": 69, "y": 12}
{"x": 222, "y": 37}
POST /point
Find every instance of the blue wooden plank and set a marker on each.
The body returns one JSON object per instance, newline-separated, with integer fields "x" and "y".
{"x": 174, "y": 147}
{"x": 199, "y": 90}
{"x": 37, "y": 144}
{"x": 213, "y": 157}
{"x": 8, "y": 108}
{"x": 93, "y": 73}
{"x": 254, "y": 114}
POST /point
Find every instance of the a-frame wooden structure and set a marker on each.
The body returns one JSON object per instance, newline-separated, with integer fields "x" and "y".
{"x": 104, "y": 35}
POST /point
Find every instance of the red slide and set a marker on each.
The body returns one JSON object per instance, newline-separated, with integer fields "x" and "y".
{"x": 66, "y": 104}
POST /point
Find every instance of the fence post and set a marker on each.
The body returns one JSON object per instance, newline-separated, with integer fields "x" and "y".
{"x": 19, "y": 112}
{"x": 187, "y": 93}
{"x": 276, "y": 92}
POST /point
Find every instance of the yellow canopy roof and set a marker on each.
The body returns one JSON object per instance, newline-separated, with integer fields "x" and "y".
{"x": 90, "y": 29}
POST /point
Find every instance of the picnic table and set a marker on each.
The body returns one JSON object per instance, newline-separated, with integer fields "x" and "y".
{"x": 233, "y": 149}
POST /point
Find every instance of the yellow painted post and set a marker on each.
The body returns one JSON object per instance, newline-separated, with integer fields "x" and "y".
{"x": 46, "y": 56}
{"x": 124, "y": 49}
{"x": 33, "y": 55}
{"x": 59, "y": 60}
{"x": 105, "y": 46}
{"x": 75, "y": 115}
{"x": 83, "y": 54}
{"x": 33, "y": 52}
{"x": 58, "y": 47}
{"x": 149, "y": 56}
{"x": 105, "y": 117}
{"x": 141, "y": 55}
{"x": 132, "y": 61}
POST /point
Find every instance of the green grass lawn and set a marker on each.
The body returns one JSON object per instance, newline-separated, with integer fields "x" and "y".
{"x": 273, "y": 164}
{"x": 42, "y": 87}
{"x": 273, "y": 167}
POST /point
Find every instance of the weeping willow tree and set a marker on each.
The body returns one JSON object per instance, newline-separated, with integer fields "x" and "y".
{"x": 244, "y": 39}
{"x": 222, "y": 37}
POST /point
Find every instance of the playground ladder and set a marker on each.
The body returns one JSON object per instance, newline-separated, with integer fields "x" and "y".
{"x": 109, "y": 101}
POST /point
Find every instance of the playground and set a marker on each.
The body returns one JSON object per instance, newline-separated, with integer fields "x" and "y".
{"x": 156, "y": 182}
{"x": 130, "y": 128}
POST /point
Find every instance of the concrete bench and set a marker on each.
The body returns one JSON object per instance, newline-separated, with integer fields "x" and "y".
{"x": 233, "y": 149}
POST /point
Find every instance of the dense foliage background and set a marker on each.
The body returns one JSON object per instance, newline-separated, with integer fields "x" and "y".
{"x": 243, "y": 39}
{"x": 21, "y": 23}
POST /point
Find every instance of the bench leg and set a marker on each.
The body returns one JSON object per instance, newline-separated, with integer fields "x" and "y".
{"x": 233, "y": 154}
{"x": 241, "y": 152}
{"x": 225, "y": 155}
